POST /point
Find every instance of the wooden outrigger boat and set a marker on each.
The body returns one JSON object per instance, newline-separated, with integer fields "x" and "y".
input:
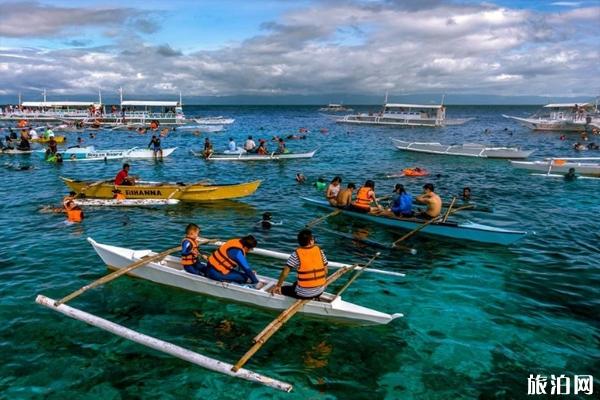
{"x": 463, "y": 231}
{"x": 195, "y": 192}
{"x": 169, "y": 272}
{"x": 58, "y": 139}
{"x": 465, "y": 150}
{"x": 256, "y": 157}
{"x": 562, "y": 165}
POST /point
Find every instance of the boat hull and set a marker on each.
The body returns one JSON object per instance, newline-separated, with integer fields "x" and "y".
{"x": 550, "y": 125}
{"x": 588, "y": 169}
{"x": 464, "y": 231}
{"x": 186, "y": 193}
{"x": 104, "y": 155}
{"x": 168, "y": 272}
{"x": 466, "y": 150}
{"x": 125, "y": 203}
{"x": 58, "y": 139}
{"x": 256, "y": 157}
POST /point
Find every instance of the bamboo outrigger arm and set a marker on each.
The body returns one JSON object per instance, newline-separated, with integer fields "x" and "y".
{"x": 162, "y": 346}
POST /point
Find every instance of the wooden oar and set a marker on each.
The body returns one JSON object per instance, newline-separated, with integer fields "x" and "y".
{"x": 278, "y": 322}
{"x": 116, "y": 274}
{"x": 323, "y": 218}
{"x": 449, "y": 209}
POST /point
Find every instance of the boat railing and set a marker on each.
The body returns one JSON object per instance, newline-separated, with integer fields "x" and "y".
{"x": 58, "y": 114}
{"x": 152, "y": 115}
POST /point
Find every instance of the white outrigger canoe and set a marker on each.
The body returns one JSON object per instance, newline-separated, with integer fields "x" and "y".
{"x": 125, "y": 203}
{"x": 91, "y": 154}
{"x": 15, "y": 151}
{"x": 465, "y": 150}
{"x": 244, "y": 156}
{"x": 201, "y": 128}
{"x": 214, "y": 121}
{"x": 169, "y": 272}
{"x": 562, "y": 165}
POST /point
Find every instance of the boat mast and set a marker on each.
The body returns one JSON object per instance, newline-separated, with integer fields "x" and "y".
{"x": 44, "y": 92}
{"x": 180, "y": 100}
{"x": 121, "y": 96}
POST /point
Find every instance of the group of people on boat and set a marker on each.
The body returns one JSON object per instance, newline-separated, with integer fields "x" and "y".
{"x": 229, "y": 263}
{"x": 400, "y": 205}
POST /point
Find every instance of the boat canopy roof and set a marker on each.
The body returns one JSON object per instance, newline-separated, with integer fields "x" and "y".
{"x": 59, "y": 104}
{"x": 394, "y": 105}
{"x": 566, "y": 105}
{"x": 150, "y": 103}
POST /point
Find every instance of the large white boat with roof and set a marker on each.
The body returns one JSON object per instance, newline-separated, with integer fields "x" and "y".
{"x": 573, "y": 117}
{"x": 399, "y": 114}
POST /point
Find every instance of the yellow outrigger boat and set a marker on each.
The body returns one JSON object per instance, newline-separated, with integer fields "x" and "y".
{"x": 58, "y": 139}
{"x": 194, "y": 192}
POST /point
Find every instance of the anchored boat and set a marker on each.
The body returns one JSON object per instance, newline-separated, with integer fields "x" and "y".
{"x": 463, "y": 231}
{"x": 195, "y": 192}
{"x": 465, "y": 150}
{"x": 244, "y": 156}
{"x": 89, "y": 153}
{"x": 169, "y": 272}
{"x": 562, "y": 164}
{"x": 573, "y": 117}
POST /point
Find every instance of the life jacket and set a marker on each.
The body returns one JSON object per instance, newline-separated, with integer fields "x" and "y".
{"x": 362, "y": 198}
{"x": 119, "y": 196}
{"x": 191, "y": 258}
{"x": 311, "y": 272}
{"x": 219, "y": 259}
{"x": 75, "y": 214}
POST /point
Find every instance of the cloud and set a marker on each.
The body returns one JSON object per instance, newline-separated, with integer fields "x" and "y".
{"x": 339, "y": 47}
{"x": 33, "y": 19}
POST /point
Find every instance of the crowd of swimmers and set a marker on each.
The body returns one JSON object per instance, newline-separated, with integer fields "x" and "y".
{"x": 229, "y": 263}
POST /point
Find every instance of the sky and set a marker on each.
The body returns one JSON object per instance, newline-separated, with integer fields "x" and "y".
{"x": 300, "y": 48}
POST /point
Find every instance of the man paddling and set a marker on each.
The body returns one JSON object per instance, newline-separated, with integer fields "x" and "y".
{"x": 433, "y": 202}
{"x": 190, "y": 251}
{"x": 123, "y": 177}
{"x": 229, "y": 264}
{"x": 310, "y": 265}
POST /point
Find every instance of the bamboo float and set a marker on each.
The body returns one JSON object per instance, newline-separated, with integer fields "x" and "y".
{"x": 162, "y": 346}
{"x": 323, "y": 218}
{"x": 115, "y": 275}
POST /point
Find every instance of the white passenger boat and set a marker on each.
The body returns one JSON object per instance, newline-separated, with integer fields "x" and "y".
{"x": 335, "y": 108}
{"x": 214, "y": 121}
{"x": 573, "y": 117}
{"x": 582, "y": 166}
{"x": 465, "y": 150}
{"x": 169, "y": 272}
{"x": 245, "y": 156}
{"x": 89, "y": 153}
{"x": 125, "y": 203}
{"x": 425, "y": 115}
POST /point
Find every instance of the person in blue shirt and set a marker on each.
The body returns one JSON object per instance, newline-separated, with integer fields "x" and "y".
{"x": 191, "y": 259}
{"x": 229, "y": 264}
{"x": 401, "y": 202}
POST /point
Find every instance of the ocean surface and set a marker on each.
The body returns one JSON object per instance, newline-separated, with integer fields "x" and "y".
{"x": 479, "y": 319}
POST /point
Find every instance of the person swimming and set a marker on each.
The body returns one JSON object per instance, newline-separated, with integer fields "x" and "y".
{"x": 571, "y": 175}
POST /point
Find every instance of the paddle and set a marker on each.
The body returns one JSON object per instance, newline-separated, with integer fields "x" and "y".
{"x": 449, "y": 209}
{"x": 115, "y": 275}
{"x": 323, "y": 218}
{"x": 278, "y": 322}
{"x": 417, "y": 229}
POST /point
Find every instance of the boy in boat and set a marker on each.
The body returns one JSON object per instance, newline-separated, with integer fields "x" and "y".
{"x": 344, "y": 197}
{"x": 123, "y": 178}
{"x": 433, "y": 202}
{"x": 364, "y": 197}
{"x": 310, "y": 265}
{"x": 190, "y": 251}
{"x": 156, "y": 148}
{"x": 229, "y": 264}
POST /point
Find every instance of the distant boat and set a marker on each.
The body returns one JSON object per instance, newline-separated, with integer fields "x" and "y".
{"x": 201, "y": 128}
{"x": 562, "y": 165}
{"x": 405, "y": 115}
{"x": 465, "y": 150}
{"x": 244, "y": 156}
{"x": 335, "y": 108}
{"x": 569, "y": 117}
{"x": 214, "y": 121}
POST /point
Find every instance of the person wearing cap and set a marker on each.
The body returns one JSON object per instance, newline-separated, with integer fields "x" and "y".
{"x": 344, "y": 197}
{"x": 118, "y": 195}
{"x": 401, "y": 205}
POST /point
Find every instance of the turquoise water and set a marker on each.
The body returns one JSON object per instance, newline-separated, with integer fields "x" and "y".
{"x": 478, "y": 319}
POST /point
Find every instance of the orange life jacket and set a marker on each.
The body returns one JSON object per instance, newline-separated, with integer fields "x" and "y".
{"x": 312, "y": 272}
{"x": 221, "y": 261}
{"x": 75, "y": 214}
{"x": 119, "y": 196}
{"x": 362, "y": 198}
{"x": 191, "y": 258}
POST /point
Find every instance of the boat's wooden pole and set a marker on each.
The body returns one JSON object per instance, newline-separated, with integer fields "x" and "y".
{"x": 356, "y": 275}
{"x": 116, "y": 274}
{"x": 278, "y": 322}
{"x": 323, "y": 218}
{"x": 417, "y": 229}
{"x": 162, "y": 346}
{"x": 88, "y": 187}
{"x": 449, "y": 209}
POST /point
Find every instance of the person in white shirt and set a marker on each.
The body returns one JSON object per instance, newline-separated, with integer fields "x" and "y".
{"x": 232, "y": 147}
{"x": 33, "y": 134}
{"x": 250, "y": 145}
